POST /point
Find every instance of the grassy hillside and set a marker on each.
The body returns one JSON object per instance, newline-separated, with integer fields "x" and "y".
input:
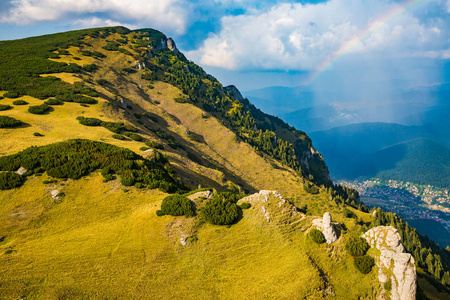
{"x": 102, "y": 238}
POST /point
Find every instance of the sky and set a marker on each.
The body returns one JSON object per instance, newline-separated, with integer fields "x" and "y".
{"x": 334, "y": 44}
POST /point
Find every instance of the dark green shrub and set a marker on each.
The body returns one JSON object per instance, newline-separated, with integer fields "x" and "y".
{"x": 195, "y": 137}
{"x": 177, "y": 205}
{"x": 134, "y": 136}
{"x": 245, "y": 205}
{"x": 39, "y": 109}
{"x": 10, "y": 180}
{"x": 5, "y": 107}
{"x": 111, "y": 46}
{"x": 90, "y": 67}
{"x": 8, "y": 122}
{"x": 76, "y": 58}
{"x": 11, "y": 94}
{"x": 154, "y": 145}
{"x": 316, "y": 236}
{"x": 53, "y": 101}
{"x": 90, "y": 121}
{"x": 144, "y": 148}
{"x": 181, "y": 99}
{"x": 37, "y": 134}
{"x": 388, "y": 285}
{"x": 102, "y": 81}
{"x": 20, "y": 102}
{"x": 219, "y": 212}
{"x": 127, "y": 178}
{"x": 159, "y": 213}
{"x": 348, "y": 213}
{"x": 364, "y": 263}
{"x": 98, "y": 54}
{"x": 115, "y": 127}
{"x": 9, "y": 251}
{"x": 118, "y": 137}
{"x": 311, "y": 188}
{"x": 356, "y": 246}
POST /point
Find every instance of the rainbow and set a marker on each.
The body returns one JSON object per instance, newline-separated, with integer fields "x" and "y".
{"x": 348, "y": 45}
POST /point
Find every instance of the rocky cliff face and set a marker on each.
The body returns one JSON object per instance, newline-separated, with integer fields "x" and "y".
{"x": 234, "y": 92}
{"x": 393, "y": 264}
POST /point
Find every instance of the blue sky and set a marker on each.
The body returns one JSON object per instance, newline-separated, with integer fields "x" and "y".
{"x": 258, "y": 43}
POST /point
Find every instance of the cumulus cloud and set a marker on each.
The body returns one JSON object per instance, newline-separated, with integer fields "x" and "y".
{"x": 301, "y": 37}
{"x": 164, "y": 14}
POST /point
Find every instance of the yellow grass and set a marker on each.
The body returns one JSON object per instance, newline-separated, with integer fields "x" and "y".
{"x": 67, "y": 77}
{"x": 102, "y": 241}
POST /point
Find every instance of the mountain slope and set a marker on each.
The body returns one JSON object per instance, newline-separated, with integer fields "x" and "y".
{"x": 101, "y": 237}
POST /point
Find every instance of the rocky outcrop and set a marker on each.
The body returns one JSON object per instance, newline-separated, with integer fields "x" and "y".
{"x": 21, "y": 171}
{"x": 202, "y": 194}
{"x": 234, "y": 92}
{"x": 171, "y": 45}
{"x": 331, "y": 231}
{"x": 393, "y": 263}
{"x": 273, "y": 211}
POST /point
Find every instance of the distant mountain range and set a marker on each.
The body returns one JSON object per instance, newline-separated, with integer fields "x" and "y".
{"x": 404, "y": 135}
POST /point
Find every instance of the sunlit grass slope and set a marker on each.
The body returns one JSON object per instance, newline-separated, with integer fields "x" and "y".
{"x": 101, "y": 241}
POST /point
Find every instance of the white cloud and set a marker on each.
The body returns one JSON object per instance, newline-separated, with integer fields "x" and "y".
{"x": 164, "y": 14}
{"x": 301, "y": 37}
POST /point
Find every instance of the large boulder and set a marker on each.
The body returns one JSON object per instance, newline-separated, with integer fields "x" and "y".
{"x": 393, "y": 263}
{"x": 330, "y": 230}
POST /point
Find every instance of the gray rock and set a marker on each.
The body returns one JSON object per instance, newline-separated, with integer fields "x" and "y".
{"x": 393, "y": 263}
{"x": 21, "y": 171}
{"x": 171, "y": 45}
{"x": 234, "y": 92}
{"x": 330, "y": 230}
{"x": 55, "y": 194}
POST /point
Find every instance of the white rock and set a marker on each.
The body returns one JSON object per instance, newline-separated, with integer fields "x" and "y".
{"x": 393, "y": 262}
{"x": 21, "y": 171}
{"x": 55, "y": 194}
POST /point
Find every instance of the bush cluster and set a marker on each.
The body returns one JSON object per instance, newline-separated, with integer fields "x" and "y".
{"x": 220, "y": 210}
{"x": 356, "y": 246}
{"x": 154, "y": 145}
{"x": 177, "y": 205}
{"x": 39, "y": 109}
{"x": 316, "y": 236}
{"x": 9, "y": 122}
{"x": 10, "y": 180}
{"x": 54, "y": 101}
{"x": 364, "y": 263}
{"x": 5, "y": 107}
{"x": 134, "y": 136}
{"x": 77, "y": 158}
{"x": 20, "y": 102}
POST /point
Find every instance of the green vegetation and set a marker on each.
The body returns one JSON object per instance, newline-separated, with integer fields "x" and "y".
{"x": 177, "y": 205}
{"x": 134, "y": 136}
{"x": 53, "y": 101}
{"x": 316, "y": 236}
{"x": 364, "y": 263}
{"x": 77, "y": 158}
{"x": 245, "y": 205}
{"x": 10, "y": 180}
{"x": 116, "y": 127}
{"x": 5, "y": 107}
{"x": 39, "y": 109}
{"x": 154, "y": 145}
{"x": 20, "y": 102}
{"x": 356, "y": 246}
{"x": 427, "y": 254}
{"x": 9, "y": 122}
{"x": 37, "y": 134}
{"x": 220, "y": 210}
